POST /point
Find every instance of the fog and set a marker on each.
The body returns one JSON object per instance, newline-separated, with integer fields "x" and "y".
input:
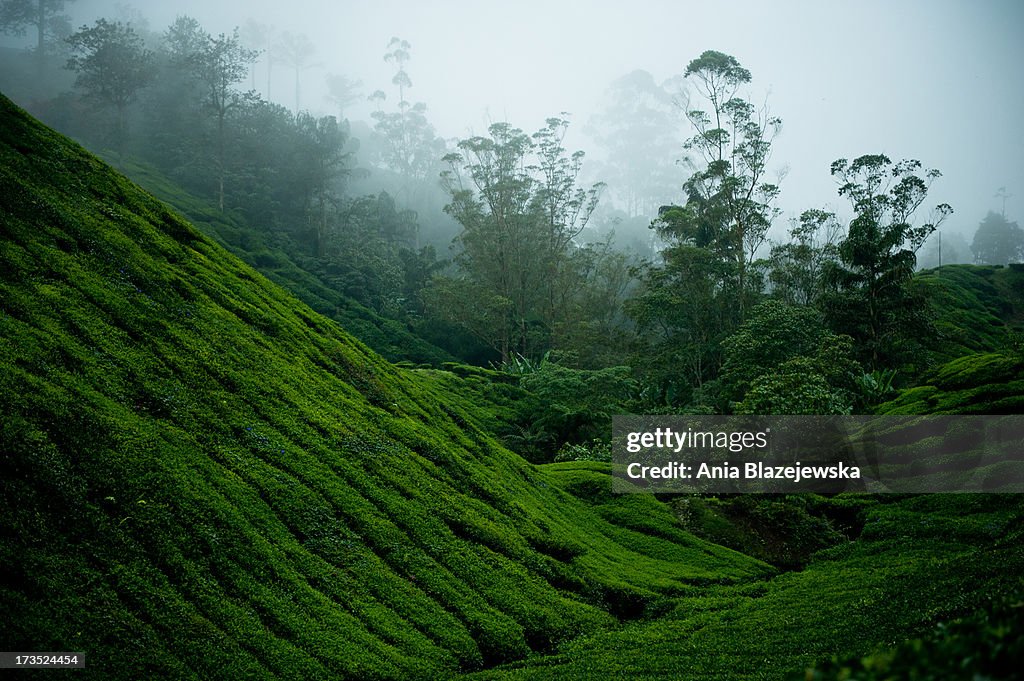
{"x": 938, "y": 80}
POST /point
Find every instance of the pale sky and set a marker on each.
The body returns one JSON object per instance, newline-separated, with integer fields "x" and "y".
{"x": 936, "y": 80}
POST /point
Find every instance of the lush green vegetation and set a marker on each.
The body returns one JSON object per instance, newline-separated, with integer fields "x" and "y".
{"x": 974, "y": 308}
{"x": 918, "y": 562}
{"x": 987, "y": 644}
{"x": 248, "y": 434}
{"x": 210, "y": 479}
{"x": 272, "y": 255}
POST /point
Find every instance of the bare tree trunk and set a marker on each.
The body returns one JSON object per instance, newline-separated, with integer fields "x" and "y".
{"x": 270, "y": 68}
{"x": 41, "y": 37}
{"x": 220, "y": 161}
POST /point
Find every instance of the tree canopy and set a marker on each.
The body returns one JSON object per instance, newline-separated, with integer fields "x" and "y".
{"x": 998, "y": 241}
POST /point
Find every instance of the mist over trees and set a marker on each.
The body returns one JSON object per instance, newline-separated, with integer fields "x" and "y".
{"x": 316, "y": 324}
{"x": 664, "y": 260}
{"x": 45, "y": 18}
{"x": 998, "y": 241}
{"x": 112, "y": 66}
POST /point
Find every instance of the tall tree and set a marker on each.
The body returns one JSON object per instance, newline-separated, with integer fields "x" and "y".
{"x": 259, "y": 37}
{"x": 869, "y": 297}
{"x": 413, "y": 148}
{"x": 185, "y": 40}
{"x": 730, "y": 205}
{"x": 219, "y": 64}
{"x": 322, "y": 158}
{"x": 520, "y": 206}
{"x": 566, "y": 207}
{"x": 682, "y": 313}
{"x": 46, "y": 16}
{"x": 296, "y": 51}
{"x": 687, "y": 305}
{"x": 491, "y": 190}
{"x": 639, "y": 128}
{"x": 112, "y": 66}
{"x": 342, "y": 91}
{"x": 998, "y": 241}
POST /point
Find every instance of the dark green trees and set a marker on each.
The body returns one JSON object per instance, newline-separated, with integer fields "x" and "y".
{"x": 218, "y": 63}
{"x": 998, "y": 241}
{"x": 112, "y": 66}
{"x": 520, "y": 205}
{"x": 795, "y": 267}
{"x": 700, "y": 293}
{"x": 323, "y": 162}
{"x": 783, "y": 360}
{"x": 868, "y": 295}
{"x": 730, "y": 205}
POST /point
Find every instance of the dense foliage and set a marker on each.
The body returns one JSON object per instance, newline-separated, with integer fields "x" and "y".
{"x": 208, "y": 479}
{"x": 206, "y": 476}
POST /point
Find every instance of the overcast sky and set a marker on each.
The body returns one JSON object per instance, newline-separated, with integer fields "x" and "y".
{"x": 936, "y": 80}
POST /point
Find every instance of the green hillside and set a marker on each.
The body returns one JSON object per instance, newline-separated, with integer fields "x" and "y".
{"x": 387, "y": 337}
{"x": 918, "y": 563}
{"x": 975, "y": 308}
{"x": 982, "y": 383}
{"x": 205, "y": 478}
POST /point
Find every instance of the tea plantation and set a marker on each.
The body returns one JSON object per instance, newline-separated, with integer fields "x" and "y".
{"x": 204, "y": 478}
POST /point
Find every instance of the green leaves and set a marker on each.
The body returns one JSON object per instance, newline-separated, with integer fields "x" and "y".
{"x": 518, "y": 200}
{"x": 111, "y": 62}
{"x": 717, "y": 68}
{"x": 869, "y": 297}
{"x": 783, "y": 360}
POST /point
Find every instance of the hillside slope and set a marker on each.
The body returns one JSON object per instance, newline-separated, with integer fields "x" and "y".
{"x": 975, "y": 307}
{"x": 981, "y": 383}
{"x": 387, "y": 337}
{"x": 203, "y": 478}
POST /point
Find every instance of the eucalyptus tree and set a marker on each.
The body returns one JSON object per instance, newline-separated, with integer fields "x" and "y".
{"x": 566, "y": 207}
{"x": 296, "y": 51}
{"x": 413, "y": 148}
{"x": 520, "y": 205}
{"x": 730, "y": 204}
{"x": 697, "y": 295}
{"x": 112, "y": 66}
{"x": 869, "y": 296}
{"x": 47, "y": 17}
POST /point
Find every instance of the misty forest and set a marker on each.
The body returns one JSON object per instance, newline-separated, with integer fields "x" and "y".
{"x": 299, "y": 380}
